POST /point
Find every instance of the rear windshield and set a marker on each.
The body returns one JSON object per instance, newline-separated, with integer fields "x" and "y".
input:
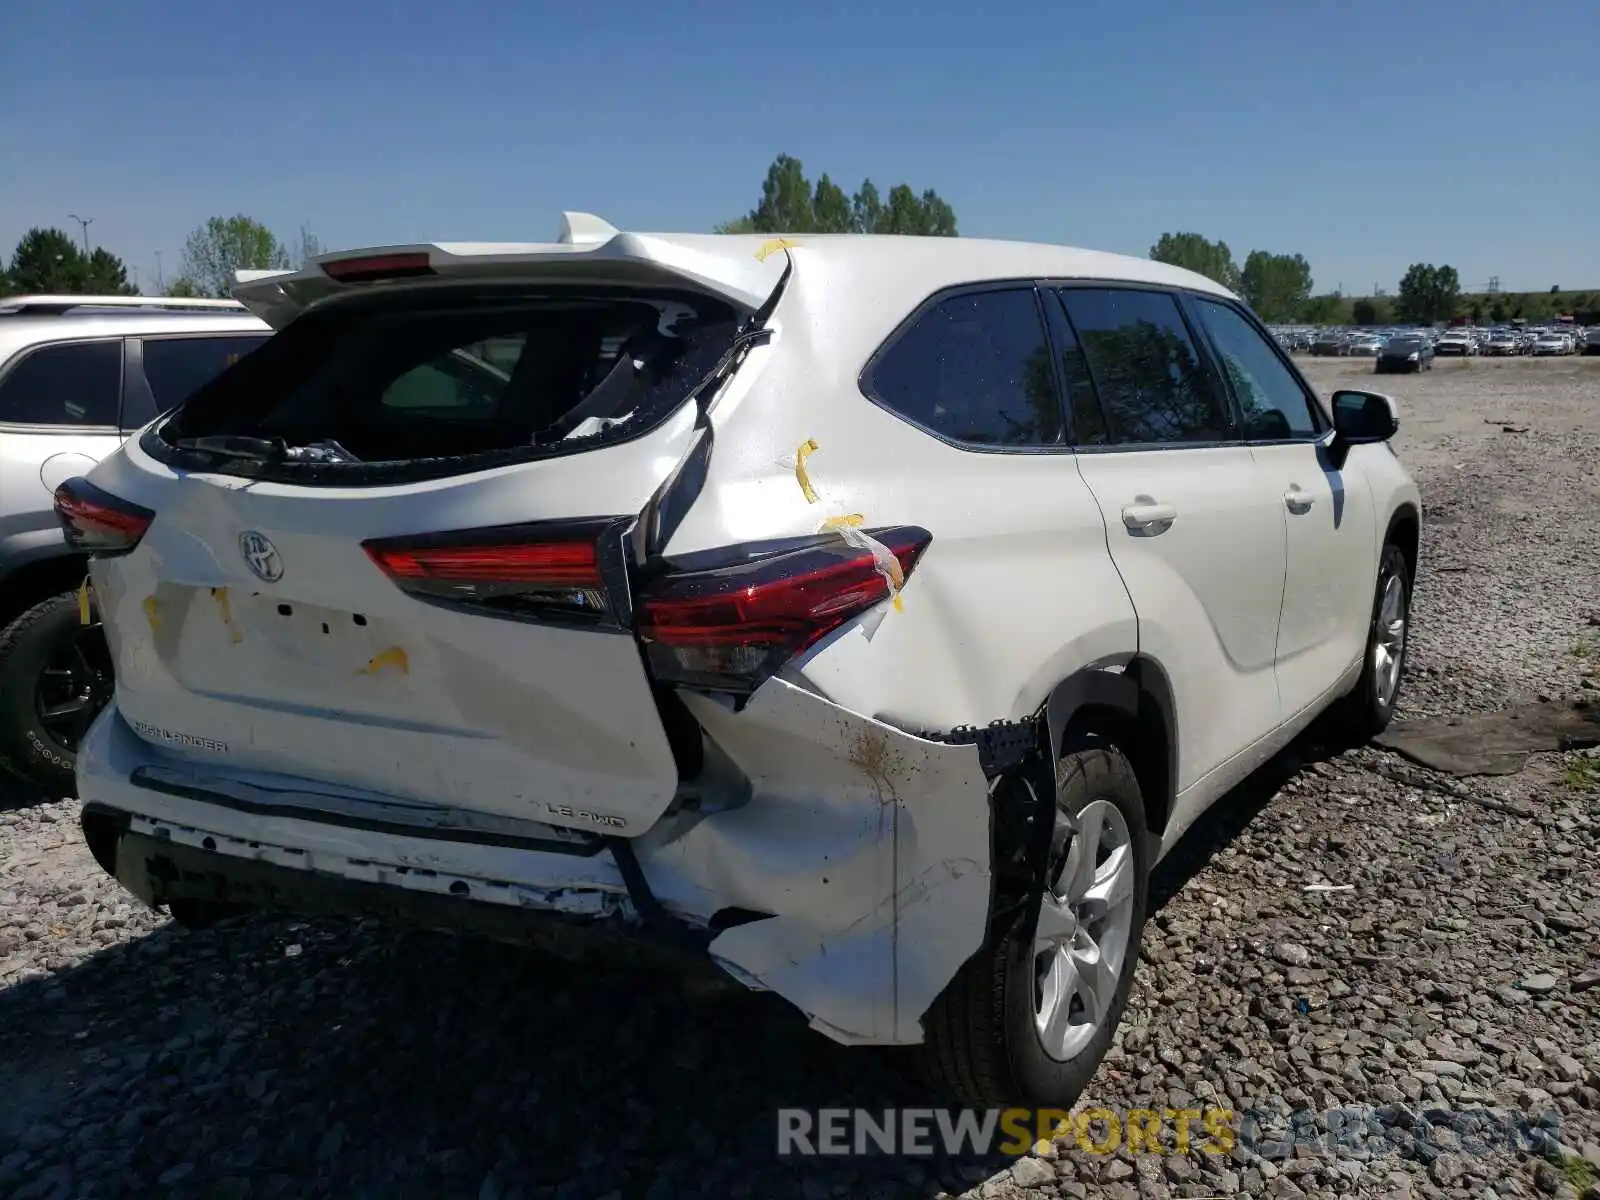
{"x": 461, "y": 376}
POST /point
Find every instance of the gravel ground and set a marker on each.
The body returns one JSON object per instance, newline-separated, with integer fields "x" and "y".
{"x": 1454, "y": 971}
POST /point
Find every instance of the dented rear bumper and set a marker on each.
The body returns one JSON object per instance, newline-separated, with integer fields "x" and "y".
{"x": 849, "y": 874}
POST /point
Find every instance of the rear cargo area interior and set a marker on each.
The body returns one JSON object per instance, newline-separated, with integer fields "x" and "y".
{"x": 460, "y": 375}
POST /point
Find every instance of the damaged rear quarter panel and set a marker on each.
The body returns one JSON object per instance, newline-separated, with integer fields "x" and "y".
{"x": 870, "y": 846}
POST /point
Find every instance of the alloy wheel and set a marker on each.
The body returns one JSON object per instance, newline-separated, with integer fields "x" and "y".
{"x": 74, "y": 686}
{"x": 1084, "y": 927}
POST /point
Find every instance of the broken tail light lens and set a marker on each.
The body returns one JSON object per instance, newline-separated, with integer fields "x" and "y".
{"x": 730, "y": 628}
{"x": 554, "y": 569}
{"x": 96, "y": 522}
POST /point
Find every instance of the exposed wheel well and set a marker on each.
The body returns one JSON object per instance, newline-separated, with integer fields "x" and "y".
{"x": 1405, "y": 531}
{"x": 1144, "y": 730}
{"x": 39, "y": 580}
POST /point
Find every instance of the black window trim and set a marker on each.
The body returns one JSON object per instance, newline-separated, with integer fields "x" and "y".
{"x": 864, "y": 379}
{"x": 1208, "y": 365}
{"x": 45, "y": 427}
{"x": 1313, "y": 401}
{"x": 135, "y": 384}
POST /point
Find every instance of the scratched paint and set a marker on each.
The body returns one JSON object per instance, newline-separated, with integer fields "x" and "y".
{"x": 152, "y": 613}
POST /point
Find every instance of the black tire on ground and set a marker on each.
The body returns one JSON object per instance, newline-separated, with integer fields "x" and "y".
{"x": 980, "y": 1044}
{"x": 1363, "y": 712}
{"x": 44, "y": 753}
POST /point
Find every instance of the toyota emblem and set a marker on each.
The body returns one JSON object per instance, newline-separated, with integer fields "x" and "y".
{"x": 261, "y": 556}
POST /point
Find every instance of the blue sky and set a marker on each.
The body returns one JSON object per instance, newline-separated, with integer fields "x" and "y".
{"x": 1364, "y": 135}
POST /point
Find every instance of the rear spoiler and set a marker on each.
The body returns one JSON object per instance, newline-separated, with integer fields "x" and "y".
{"x": 588, "y": 251}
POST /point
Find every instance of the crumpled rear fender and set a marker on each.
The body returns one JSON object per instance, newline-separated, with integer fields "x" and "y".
{"x": 869, "y": 846}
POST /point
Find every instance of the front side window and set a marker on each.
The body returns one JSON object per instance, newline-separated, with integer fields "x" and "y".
{"x": 75, "y": 384}
{"x": 974, "y": 368}
{"x": 1147, "y": 371}
{"x": 1273, "y": 403}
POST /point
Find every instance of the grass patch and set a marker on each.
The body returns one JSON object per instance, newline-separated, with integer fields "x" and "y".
{"x": 1578, "y": 1174}
{"x": 1583, "y": 775}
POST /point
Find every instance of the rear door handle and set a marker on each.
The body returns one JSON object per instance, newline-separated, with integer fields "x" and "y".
{"x": 1147, "y": 516}
{"x": 1298, "y": 502}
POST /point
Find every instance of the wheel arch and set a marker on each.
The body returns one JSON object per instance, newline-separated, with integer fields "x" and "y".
{"x": 1132, "y": 709}
{"x": 34, "y": 569}
{"x": 1405, "y": 531}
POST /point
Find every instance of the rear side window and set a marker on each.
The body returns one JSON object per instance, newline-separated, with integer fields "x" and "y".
{"x": 464, "y": 374}
{"x": 74, "y": 384}
{"x": 1152, "y": 385}
{"x": 175, "y": 368}
{"x": 974, "y": 368}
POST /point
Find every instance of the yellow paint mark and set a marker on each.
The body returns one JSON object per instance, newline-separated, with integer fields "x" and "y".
{"x": 394, "y": 657}
{"x": 225, "y": 606}
{"x": 152, "y": 613}
{"x": 83, "y": 602}
{"x": 769, "y": 248}
{"x": 801, "y": 475}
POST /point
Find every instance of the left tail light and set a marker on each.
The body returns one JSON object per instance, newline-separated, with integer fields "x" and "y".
{"x": 560, "y": 570}
{"x": 730, "y": 628}
{"x": 97, "y": 522}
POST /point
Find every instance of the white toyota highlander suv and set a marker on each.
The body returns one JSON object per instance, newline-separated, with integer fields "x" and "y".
{"x": 861, "y": 616}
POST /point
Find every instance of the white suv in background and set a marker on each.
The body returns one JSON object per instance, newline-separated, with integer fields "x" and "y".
{"x": 77, "y": 375}
{"x": 862, "y": 616}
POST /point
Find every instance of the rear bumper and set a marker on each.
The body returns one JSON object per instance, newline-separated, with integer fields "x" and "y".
{"x": 854, "y": 881}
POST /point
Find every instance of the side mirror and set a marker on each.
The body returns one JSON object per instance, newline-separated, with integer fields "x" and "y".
{"x": 1361, "y": 419}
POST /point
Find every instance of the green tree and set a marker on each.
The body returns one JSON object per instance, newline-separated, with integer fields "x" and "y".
{"x": 1364, "y": 312}
{"x": 830, "y": 208}
{"x": 1555, "y": 289}
{"x": 1194, "y": 253}
{"x": 183, "y": 288}
{"x": 47, "y": 261}
{"x": 1329, "y": 309}
{"x": 224, "y": 245}
{"x": 106, "y": 275}
{"x": 310, "y": 247}
{"x": 1275, "y": 285}
{"x": 790, "y": 204}
{"x": 1428, "y": 293}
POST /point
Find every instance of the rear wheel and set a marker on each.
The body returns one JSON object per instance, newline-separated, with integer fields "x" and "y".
{"x": 55, "y": 677}
{"x": 1028, "y": 1018}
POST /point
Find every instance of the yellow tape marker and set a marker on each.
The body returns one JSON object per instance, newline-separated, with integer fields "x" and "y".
{"x": 152, "y": 613}
{"x": 225, "y": 607}
{"x": 768, "y": 249}
{"x": 852, "y": 521}
{"x": 394, "y": 657}
{"x": 807, "y": 449}
{"x": 83, "y": 602}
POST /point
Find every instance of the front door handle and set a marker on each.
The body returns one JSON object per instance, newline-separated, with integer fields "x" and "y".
{"x": 1146, "y": 516}
{"x": 1297, "y": 501}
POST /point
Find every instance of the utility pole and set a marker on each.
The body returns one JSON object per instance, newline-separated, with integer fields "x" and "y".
{"x": 161, "y": 283}
{"x": 85, "y": 222}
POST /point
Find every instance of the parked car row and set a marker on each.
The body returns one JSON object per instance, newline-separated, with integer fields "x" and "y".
{"x": 1460, "y": 341}
{"x": 477, "y": 593}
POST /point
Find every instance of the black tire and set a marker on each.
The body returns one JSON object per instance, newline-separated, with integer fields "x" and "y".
{"x": 980, "y": 1044}
{"x": 37, "y": 740}
{"x": 1364, "y": 711}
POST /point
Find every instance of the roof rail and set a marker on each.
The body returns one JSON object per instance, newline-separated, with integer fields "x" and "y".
{"x": 14, "y": 306}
